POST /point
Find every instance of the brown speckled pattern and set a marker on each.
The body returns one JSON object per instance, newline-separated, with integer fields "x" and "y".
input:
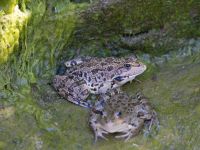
{"x": 95, "y": 75}
{"x": 135, "y": 112}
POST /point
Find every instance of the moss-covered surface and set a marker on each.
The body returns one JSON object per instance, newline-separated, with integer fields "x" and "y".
{"x": 33, "y": 116}
{"x": 103, "y": 28}
{"x": 10, "y": 27}
{"x": 39, "y": 119}
{"x": 7, "y": 6}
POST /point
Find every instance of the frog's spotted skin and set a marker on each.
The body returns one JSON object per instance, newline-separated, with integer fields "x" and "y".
{"x": 73, "y": 91}
{"x": 95, "y": 75}
{"x": 122, "y": 114}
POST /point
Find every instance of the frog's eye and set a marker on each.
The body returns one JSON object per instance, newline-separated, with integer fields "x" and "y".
{"x": 119, "y": 79}
{"x": 119, "y": 113}
{"x": 127, "y": 66}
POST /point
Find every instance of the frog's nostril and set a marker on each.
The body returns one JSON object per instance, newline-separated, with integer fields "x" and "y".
{"x": 138, "y": 65}
{"x": 119, "y": 113}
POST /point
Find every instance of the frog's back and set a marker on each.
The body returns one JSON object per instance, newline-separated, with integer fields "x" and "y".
{"x": 101, "y": 68}
{"x": 121, "y": 102}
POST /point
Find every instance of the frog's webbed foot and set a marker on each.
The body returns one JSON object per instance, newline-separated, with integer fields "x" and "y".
{"x": 81, "y": 102}
{"x": 99, "y": 133}
{"x": 77, "y": 61}
{"x": 132, "y": 131}
{"x": 97, "y": 128}
{"x": 128, "y": 134}
{"x": 125, "y": 136}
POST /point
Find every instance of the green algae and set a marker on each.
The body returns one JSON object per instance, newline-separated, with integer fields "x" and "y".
{"x": 104, "y": 28}
{"x": 10, "y": 27}
{"x": 33, "y": 116}
{"x": 7, "y": 6}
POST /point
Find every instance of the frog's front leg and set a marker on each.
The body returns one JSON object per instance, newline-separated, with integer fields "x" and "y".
{"x": 99, "y": 105}
{"x": 115, "y": 91}
{"x": 97, "y": 128}
{"x": 151, "y": 120}
{"x": 74, "y": 91}
{"x": 77, "y": 61}
{"x": 110, "y": 93}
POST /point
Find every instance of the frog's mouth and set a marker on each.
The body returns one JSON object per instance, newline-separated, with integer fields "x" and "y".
{"x": 126, "y": 78}
{"x": 116, "y": 126}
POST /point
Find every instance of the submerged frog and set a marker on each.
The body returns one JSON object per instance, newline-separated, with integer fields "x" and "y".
{"x": 95, "y": 75}
{"x": 122, "y": 114}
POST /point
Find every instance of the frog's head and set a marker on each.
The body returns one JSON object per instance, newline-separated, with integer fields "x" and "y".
{"x": 128, "y": 70}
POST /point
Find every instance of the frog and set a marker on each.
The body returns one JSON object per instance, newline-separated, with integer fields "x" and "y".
{"x": 94, "y": 75}
{"x": 123, "y": 115}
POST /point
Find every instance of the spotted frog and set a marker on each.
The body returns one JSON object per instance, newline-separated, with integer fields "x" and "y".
{"x": 122, "y": 114}
{"x": 94, "y": 75}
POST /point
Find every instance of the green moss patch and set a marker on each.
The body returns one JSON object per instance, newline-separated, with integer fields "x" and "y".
{"x": 103, "y": 28}
{"x": 10, "y": 27}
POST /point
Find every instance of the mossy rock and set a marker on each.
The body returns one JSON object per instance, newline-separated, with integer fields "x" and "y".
{"x": 10, "y": 27}
{"x": 103, "y": 26}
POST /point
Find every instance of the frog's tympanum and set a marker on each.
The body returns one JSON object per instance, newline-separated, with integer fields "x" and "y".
{"x": 95, "y": 75}
{"x": 123, "y": 115}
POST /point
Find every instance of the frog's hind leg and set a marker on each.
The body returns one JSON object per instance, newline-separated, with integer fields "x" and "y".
{"x": 76, "y": 61}
{"x": 152, "y": 122}
{"x": 74, "y": 91}
{"x": 80, "y": 94}
{"x": 100, "y": 103}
